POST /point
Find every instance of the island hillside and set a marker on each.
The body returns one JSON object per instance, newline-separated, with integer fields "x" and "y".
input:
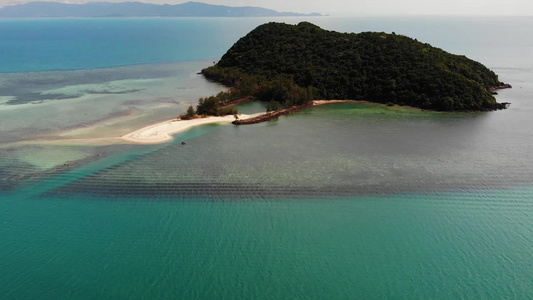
{"x": 135, "y": 9}
{"x": 293, "y": 64}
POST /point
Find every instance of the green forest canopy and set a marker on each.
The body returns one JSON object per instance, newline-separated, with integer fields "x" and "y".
{"x": 292, "y": 64}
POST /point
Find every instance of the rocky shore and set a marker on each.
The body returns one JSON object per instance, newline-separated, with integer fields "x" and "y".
{"x": 272, "y": 115}
{"x": 493, "y": 89}
{"x": 235, "y": 102}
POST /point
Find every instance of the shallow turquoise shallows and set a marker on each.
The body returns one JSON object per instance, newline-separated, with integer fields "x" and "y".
{"x": 345, "y": 201}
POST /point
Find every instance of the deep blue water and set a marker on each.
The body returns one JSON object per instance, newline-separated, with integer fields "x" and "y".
{"x": 352, "y": 201}
{"x": 59, "y": 44}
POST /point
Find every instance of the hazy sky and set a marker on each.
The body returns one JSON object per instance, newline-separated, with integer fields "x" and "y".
{"x": 360, "y": 7}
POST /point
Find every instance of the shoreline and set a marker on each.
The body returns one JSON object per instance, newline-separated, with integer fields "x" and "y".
{"x": 152, "y": 134}
{"x": 163, "y": 131}
{"x": 325, "y": 102}
{"x": 286, "y": 111}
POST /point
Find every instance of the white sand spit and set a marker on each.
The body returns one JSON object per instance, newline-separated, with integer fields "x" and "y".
{"x": 162, "y": 132}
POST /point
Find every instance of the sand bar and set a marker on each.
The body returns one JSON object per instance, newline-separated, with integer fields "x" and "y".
{"x": 158, "y": 133}
{"x": 162, "y": 132}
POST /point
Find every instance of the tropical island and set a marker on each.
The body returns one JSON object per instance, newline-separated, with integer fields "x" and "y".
{"x": 288, "y": 66}
{"x": 293, "y": 67}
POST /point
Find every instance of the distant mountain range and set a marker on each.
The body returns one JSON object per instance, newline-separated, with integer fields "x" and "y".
{"x": 136, "y": 9}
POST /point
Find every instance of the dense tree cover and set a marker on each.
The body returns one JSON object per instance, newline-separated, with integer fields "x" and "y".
{"x": 281, "y": 88}
{"x": 273, "y": 106}
{"x": 292, "y": 64}
{"x": 210, "y": 106}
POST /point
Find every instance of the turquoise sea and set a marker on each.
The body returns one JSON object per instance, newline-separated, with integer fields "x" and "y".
{"x": 347, "y": 201}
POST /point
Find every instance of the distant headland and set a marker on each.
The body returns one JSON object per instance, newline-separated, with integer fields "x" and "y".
{"x": 291, "y": 65}
{"x": 136, "y": 9}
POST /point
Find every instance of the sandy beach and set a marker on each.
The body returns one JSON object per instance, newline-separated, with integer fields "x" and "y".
{"x": 152, "y": 134}
{"x": 162, "y": 132}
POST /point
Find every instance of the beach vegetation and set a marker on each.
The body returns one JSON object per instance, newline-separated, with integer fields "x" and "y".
{"x": 210, "y": 106}
{"x": 273, "y": 106}
{"x": 281, "y": 89}
{"x": 189, "y": 114}
{"x": 207, "y": 106}
{"x": 228, "y": 110}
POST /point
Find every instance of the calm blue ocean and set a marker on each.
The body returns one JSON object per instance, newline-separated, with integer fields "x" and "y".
{"x": 351, "y": 201}
{"x": 62, "y": 44}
